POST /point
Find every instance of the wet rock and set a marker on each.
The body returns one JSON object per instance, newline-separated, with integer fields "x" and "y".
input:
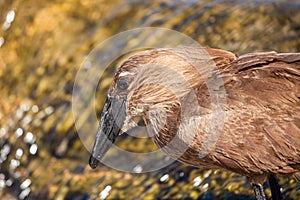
{"x": 42, "y": 47}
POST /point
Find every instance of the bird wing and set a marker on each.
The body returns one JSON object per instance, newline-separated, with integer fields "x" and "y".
{"x": 262, "y": 129}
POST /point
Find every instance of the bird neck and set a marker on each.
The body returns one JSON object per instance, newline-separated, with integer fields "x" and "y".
{"x": 163, "y": 122}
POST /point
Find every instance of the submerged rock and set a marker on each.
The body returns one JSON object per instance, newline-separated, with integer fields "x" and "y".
{"x": 42, "y": 46}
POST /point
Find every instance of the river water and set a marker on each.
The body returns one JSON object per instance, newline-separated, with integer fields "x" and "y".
{"x": 42, "y": 46}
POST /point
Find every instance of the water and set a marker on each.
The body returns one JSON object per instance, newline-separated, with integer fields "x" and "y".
{"x": 41, "y": 48}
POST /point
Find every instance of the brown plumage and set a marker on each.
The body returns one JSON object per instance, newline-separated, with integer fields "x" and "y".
{"x": 174, "y": 91}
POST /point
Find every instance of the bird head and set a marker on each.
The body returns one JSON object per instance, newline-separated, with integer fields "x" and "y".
{"x": 148, "y": 89}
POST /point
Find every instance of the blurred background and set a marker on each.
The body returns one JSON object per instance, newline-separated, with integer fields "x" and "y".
{"x": 42, "y": 45}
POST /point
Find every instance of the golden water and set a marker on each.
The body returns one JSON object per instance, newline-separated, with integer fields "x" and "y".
{"x": 42, "y": 45}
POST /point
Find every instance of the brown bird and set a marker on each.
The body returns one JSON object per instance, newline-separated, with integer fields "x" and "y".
{"x": 211, "y": 109}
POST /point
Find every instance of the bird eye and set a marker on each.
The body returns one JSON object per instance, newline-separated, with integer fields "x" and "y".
{"x": 122, "y": 84}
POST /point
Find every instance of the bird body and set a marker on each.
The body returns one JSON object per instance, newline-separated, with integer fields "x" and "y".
{"x": 180, "y": 93}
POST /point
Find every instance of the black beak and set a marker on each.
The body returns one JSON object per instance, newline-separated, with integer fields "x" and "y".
{"x": 112, "y": 119}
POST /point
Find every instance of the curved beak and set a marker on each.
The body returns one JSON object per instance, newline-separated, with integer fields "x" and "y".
{"x": 112, "y": 120}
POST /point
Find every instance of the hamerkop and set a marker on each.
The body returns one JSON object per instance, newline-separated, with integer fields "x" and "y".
{"x": 180, "y": 93}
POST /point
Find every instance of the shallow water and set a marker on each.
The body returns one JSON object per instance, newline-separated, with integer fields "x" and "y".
{"x": 42, "y": 46}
